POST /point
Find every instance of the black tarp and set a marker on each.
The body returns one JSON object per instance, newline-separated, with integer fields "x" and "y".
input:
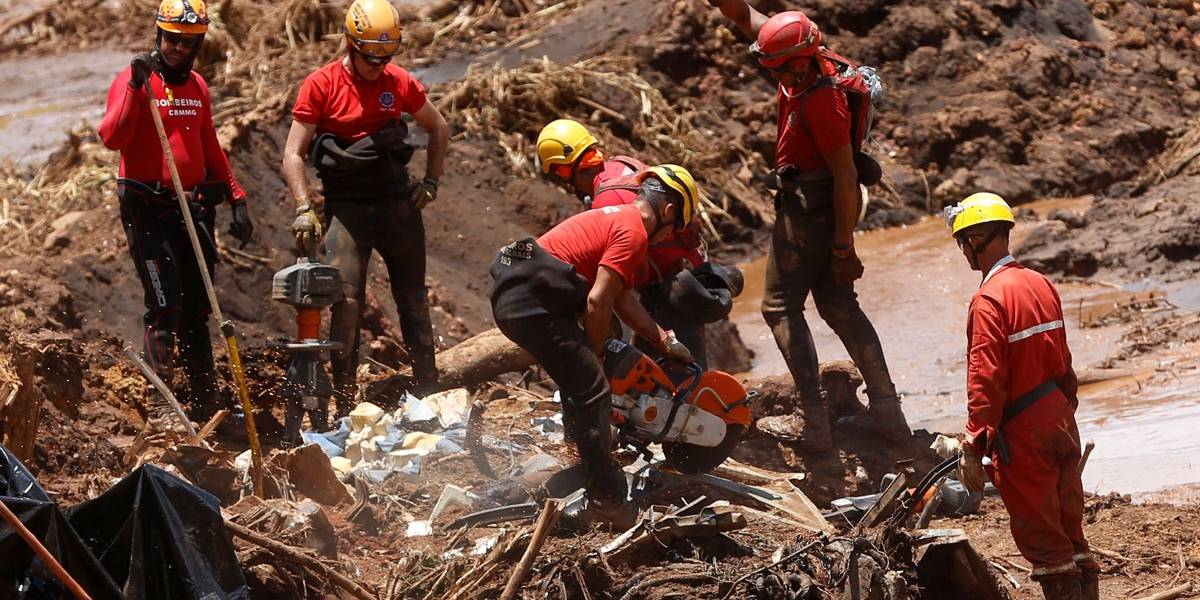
{"x": 161, "y": 537}
{"x": 22, "y": 575}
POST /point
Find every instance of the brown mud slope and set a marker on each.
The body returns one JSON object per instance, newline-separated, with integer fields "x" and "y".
{"x": 1155, "y": 235}
{"x": 1026, "y": 98}
{"x": 1150, "y": 234}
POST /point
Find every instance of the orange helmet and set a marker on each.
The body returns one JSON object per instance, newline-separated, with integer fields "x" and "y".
{"x": 373, "y": 28}
{"x": 182, "y": 16}
{"x": 785, "y": 36}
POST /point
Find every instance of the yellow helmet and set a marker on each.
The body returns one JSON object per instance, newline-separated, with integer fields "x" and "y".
{"x": 182, "y": 16}
{"x": 373, "y": 28}
{"x": 982, "y": 207}
{"x": 678, "y": 179}
{"x": 562, "y": 142}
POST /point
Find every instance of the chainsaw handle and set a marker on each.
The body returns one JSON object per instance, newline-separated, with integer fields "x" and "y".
{"x": 679, "y": 398}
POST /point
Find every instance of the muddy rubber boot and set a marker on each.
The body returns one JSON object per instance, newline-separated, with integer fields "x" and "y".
{"x": 1090, "y": 585}
{"x": 817, "y": 434}
{"x": 888, "y": 418}
{"x": 809, "y": 426}
{"x": 1062, "y": 588}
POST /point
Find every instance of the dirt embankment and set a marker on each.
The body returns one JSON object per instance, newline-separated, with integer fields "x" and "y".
{"x": 1028, "y": 99}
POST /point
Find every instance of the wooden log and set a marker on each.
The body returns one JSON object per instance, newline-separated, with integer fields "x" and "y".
{"x": 438, "y": 10}
{"x": 475, "y": 360}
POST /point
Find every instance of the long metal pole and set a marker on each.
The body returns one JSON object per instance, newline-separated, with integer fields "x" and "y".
{"x": 227, "y": 329}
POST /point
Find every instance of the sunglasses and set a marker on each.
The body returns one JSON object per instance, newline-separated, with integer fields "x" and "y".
{"x": 178, "y": 39}
{"x": 972, "y": 239}
{"x": 375, "y": 61}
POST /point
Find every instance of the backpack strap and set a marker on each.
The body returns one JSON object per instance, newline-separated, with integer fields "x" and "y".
{"x": 620, "y": 183}
{"x": 633, "y": 164}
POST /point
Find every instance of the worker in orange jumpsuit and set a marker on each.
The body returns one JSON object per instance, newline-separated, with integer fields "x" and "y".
{"x": 1021, "y": 400}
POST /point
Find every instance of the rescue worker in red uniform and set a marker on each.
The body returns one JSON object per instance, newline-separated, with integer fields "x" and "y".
{"x": 817, "y": 207}
{"x": 347, "y": 121}
{"x": 680, "y": 288}
{"x": 177, "y": 306}
{"x": 555, "y": 297}
{"x": 1021, "y": 401}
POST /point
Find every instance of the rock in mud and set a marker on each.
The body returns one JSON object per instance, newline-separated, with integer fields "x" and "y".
{"x": 1156, "y": 235}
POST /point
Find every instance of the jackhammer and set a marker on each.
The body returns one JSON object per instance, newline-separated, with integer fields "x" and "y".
{"x": 310, "y": 286}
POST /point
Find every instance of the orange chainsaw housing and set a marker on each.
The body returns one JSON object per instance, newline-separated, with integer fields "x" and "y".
{"x": 632, "y": 373}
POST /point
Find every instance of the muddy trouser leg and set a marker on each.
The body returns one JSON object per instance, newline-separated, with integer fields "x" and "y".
{"x": 558, "y": 344}
{"x": 158, "y": 269}
{"x": 839, "y": 308}
{"x": 195, "y": 342}
{"x": 1041, "y": 488}
{"x": 792, "y": 268}
{"x": 404, "y": 254}
{"x": 350, "y": 256}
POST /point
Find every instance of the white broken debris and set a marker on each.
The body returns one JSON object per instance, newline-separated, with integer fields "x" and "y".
{"x": 551, "y": 427}
{"x": 376, "y": 444}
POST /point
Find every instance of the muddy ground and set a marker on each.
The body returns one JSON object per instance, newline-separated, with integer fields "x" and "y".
{"x": 1026, "y": 98}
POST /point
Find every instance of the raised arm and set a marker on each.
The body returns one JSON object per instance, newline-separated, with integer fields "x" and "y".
{"x": 747, "y": 19}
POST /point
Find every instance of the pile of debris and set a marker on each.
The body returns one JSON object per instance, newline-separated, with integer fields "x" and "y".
{"x": 511, "y": 106}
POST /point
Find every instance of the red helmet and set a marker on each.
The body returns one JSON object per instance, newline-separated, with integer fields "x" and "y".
{"x": 785, "y": 36}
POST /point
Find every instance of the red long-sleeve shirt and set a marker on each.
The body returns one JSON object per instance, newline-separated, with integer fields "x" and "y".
{"x": 186, "y": 112}
{"x": 1016, "y": 341}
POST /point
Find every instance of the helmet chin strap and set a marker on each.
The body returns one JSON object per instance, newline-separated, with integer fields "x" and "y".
{"x": 975, "y": 250}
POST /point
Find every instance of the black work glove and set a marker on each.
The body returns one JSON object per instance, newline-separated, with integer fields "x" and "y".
{"x": 241, "y": 227}
{"x": 425, "y": 192}
{"x": 846, "y": 266}
{"x": 139, "y": 70}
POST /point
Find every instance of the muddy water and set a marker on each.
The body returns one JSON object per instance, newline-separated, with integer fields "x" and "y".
{"x": 916, "y": 290}
{"x": 605, "y": 22}
{"x": 43, "y": 97}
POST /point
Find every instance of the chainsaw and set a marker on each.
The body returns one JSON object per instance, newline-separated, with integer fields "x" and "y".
{"x": 697, "y": 416}
{"x": 309, "y": 286}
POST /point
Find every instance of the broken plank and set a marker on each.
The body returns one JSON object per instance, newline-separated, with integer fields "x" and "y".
{"x": 550, "y": 512}
{"x": 885, "y": 501}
